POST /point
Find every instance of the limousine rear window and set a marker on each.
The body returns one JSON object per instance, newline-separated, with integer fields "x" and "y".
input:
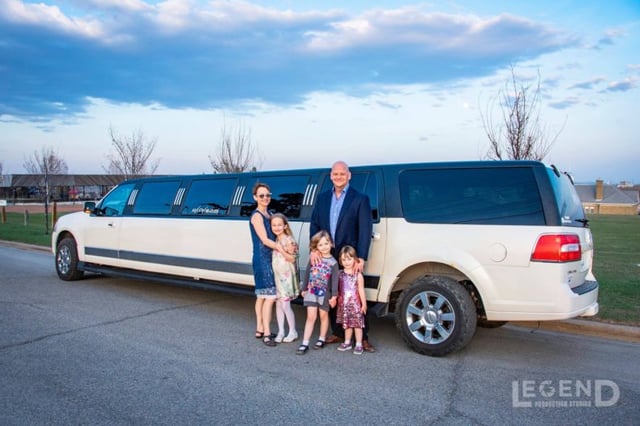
{"x": 501, "y": 196}
{"x": 209, "y": 197}
{"x": 567, "y": 200}
{"x": 156, "y": 197}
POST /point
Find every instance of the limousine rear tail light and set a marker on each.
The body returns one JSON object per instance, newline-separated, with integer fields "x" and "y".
{"x": 557, "y": 248}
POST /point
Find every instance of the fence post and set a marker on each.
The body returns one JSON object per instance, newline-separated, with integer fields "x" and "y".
{"x": 4, "y": 214}
{"x": 26, "y": 217}
{"x": 54, "y": 215}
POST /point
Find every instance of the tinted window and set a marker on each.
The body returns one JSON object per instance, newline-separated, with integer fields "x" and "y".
{"x": 569, "y": 205}
{"x": 156, "y": 197}
{"x": 507, "y": 196}
{"x": 209, "y": 197}
{"x": 287, "y": 193}
{"x": 115, "y": 201}
{"x": 365, "y": 183}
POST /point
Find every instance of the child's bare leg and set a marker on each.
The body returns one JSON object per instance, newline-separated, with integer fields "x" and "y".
{"x": 358, "y": 332}
{"x": 324, "y": 325}
{"x": 347, "y": 335}
{"x": 312, "y": 314}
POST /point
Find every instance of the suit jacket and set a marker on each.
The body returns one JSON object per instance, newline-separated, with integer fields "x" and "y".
{"x": 355, "y": 225}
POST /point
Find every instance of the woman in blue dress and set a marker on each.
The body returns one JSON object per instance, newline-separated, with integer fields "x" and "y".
{"x": 263, "y": 246}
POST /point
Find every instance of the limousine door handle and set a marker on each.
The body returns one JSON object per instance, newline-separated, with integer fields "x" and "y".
{"x": 110, "y": 224}
{"x": 375, "y": 236}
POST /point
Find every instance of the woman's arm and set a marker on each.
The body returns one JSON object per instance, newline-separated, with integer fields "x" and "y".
{"x": 261, "y": 232}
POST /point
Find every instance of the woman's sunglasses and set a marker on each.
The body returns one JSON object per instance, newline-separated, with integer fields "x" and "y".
{"x": 261, "y": 196}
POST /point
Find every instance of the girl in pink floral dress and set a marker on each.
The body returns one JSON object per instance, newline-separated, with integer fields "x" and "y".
{"x": 352, "y": 301}
{"x": 285, "y": 274}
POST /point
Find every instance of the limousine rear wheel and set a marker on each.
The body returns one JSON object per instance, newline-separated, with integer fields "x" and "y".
{"x": 436, "y": 316}
{"x": 67, "y": 260}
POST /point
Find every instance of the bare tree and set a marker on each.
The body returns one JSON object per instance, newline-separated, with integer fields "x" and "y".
{"x": 236, "y": 152}
{"x": 132, "y": 155}
{"x": 518, "y": 134}
{"x": 47, "y": 162}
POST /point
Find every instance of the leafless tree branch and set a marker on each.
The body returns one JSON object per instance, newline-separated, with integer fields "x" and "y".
{"x": 131, "y": 156}
{"x": 45, "y": 162}
{"x": 236, "y": 152}
{"x": 519, "y": 135}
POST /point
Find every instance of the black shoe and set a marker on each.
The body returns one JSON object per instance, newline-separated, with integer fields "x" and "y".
{"x": 269, "y": 341}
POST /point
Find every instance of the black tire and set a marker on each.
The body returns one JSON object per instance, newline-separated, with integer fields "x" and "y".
{"x": 436, "y": 316}
{"x": 67, "y": 260}
{"x": 490, "y": 324}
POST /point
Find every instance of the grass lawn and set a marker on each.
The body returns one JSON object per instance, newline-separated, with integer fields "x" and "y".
{"x": 617, "y": 266}
{"x": 34, "y": 233}
{"x": 616, "y": 259}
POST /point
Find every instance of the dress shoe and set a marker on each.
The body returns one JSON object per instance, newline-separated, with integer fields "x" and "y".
{"x": 368, "y": 347}
{"x": 333, "y": 339}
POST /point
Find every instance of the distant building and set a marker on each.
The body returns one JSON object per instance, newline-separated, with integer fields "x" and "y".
{"x": 602, "y": 198}
{"x": 30, "y": 187}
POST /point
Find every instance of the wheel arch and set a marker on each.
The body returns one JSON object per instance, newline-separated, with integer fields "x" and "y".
{"x": 425, "y": 269}
{"x": 62, "y": 235}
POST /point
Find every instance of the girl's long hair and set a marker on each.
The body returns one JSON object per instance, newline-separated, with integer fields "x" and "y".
{"x": 287, "y": 228}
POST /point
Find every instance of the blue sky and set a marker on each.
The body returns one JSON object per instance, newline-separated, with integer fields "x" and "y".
{"x": 316, "y": 81}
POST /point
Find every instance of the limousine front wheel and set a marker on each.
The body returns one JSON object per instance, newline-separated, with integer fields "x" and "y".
{"x": 67, "y": 260}
{"x": 436, "y": 316}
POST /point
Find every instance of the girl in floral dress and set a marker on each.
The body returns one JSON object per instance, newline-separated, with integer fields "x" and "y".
{"x": 319, "y": 290}
{"x": 352, "y": 301}
{"x": 284, "y": 270}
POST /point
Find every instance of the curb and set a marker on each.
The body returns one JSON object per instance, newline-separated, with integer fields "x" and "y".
{"x": 25, "y": 246}
{"x": 626, "y": 333}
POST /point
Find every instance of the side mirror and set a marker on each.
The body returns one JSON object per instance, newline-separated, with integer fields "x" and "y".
{"x": 89, "y": 207}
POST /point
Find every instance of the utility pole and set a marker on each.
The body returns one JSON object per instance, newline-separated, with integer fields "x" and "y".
{"x": 46, "y": 200}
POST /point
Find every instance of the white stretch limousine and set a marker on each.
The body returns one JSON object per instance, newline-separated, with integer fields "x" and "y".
{"x": 454, "y": 245}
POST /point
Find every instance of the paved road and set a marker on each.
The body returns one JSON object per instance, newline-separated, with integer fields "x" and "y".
{"x": 115, "y": 351}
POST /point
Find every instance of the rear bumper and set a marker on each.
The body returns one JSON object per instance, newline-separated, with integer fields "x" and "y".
{"x": 580, "y": 301}
{"x": 591, "y": 310}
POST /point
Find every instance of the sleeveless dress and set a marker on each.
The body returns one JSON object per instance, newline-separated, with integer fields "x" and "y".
{"x": 285, "y": 272}
{"x": 262, "y": 257}
{"x": 349, "y": 306}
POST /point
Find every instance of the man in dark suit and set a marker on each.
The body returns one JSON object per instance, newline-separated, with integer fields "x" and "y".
{"x": 346, "y": 214}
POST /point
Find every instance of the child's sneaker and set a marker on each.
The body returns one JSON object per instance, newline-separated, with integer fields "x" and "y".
{"x": 291, "y": 337}
{"x": 345, "y": 347}
{"x": 358, "y": 350}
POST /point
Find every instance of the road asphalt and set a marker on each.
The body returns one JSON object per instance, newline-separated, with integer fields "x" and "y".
{"x": 587, "y": 327}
